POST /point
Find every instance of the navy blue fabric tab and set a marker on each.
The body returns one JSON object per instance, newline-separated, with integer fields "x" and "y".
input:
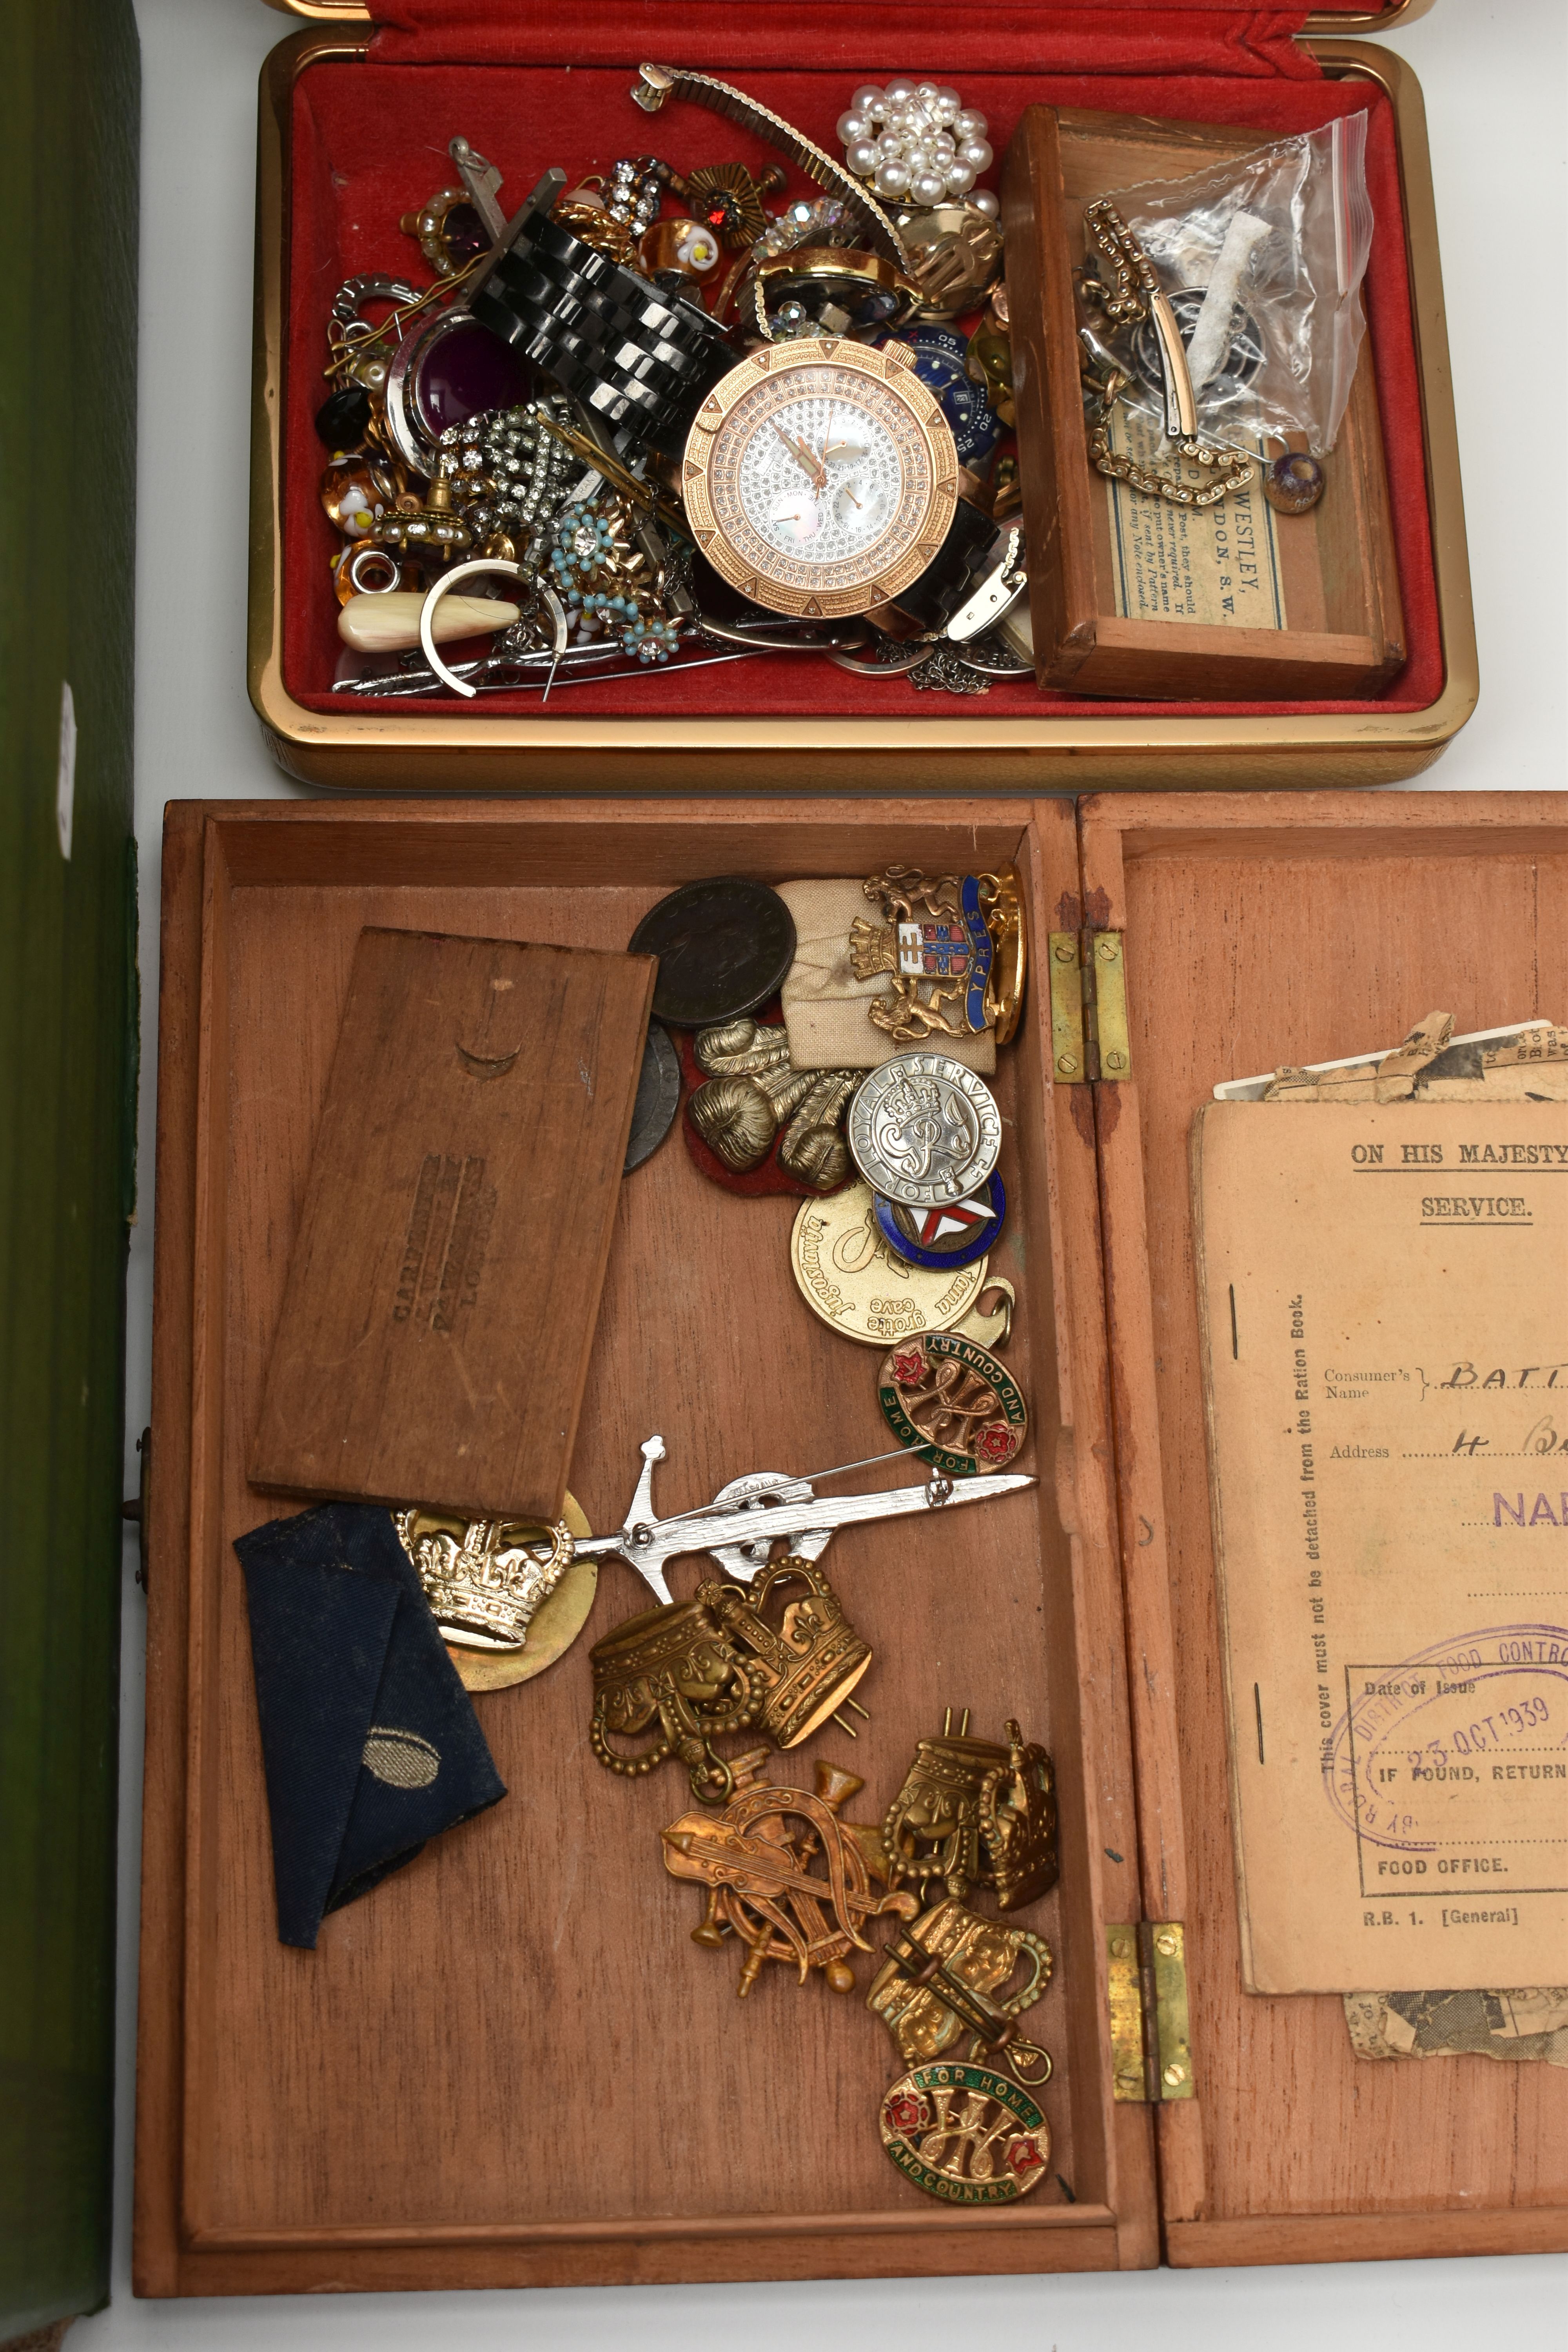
{"x": 369, "y": 1741}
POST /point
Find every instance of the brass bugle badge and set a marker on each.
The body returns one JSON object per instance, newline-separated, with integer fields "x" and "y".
{"x": 786, "y": 1876}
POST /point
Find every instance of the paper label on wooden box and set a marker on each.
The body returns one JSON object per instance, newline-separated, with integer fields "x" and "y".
{"x": 1217, "y": 564}
{"x": 1384, "y": 1297}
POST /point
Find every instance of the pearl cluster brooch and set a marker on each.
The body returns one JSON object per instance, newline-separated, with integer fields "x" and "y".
{"x": 918, "y": 144}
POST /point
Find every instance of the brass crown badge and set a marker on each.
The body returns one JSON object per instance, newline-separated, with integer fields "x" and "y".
{"x": 485, "y": 1579}
{"x": 972, "y": 1813}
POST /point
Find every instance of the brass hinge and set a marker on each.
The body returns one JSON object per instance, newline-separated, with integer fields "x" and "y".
{"x": 1088, "y": 1007}
{"x": 1151, "y": 2055}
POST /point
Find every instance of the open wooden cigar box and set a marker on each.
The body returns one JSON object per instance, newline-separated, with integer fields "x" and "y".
{"x": 509, "y": 2065}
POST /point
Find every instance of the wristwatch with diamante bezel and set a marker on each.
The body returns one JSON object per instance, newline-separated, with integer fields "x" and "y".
{"x": 820, "y": 476}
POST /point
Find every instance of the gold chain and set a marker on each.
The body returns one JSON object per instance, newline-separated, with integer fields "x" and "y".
{"x": 655, "y": 84}
{"x": 1134, "y": 272}
{"x": 1127, "y": 304}
{"x": 1237, "y": 474}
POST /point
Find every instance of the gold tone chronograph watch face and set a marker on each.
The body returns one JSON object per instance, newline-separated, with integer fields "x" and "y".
{"x": 820, "y": 477}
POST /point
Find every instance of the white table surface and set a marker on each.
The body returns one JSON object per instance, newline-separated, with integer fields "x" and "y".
{"x": 1494, "y": 76}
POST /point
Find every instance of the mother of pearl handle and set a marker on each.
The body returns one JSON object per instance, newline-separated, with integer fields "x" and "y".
{"x": 389, "y": 623}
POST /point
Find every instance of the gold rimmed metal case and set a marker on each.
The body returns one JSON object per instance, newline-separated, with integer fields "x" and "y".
{"x": 913, "y": 743}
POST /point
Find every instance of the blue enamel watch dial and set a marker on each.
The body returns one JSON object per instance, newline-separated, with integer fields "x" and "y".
{"x": 939, "y": 363}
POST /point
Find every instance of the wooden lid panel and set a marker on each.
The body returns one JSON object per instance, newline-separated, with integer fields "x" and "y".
{"x": 1260, "y": 929}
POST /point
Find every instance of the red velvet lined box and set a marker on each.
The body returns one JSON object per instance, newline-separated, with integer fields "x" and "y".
{"x": 354, "y": 135}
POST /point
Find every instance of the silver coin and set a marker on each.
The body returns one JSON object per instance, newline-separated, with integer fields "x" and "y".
{"x": 658, "y": 1097}
{"x": 923, "y": 1130}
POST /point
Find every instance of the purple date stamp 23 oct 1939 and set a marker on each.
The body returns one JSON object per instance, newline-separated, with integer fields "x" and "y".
{"x": 1452, "y": 1766}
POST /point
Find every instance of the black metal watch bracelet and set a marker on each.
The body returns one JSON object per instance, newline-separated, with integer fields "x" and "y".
{"x": 641, "y": 360}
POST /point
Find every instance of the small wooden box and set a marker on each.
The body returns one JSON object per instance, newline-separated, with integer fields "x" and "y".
{"x": 508, "y": 2066}
{"x": 1336, "y": 570}
{"x": 354, "y": 121}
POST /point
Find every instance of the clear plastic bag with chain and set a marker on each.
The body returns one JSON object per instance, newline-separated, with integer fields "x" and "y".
{"x": 1262, "y": 258}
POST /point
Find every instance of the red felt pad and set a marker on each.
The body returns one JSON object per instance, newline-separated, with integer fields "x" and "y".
{"x": 369, "y": 145}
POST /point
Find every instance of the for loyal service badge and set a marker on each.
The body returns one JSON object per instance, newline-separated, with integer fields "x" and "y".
{"x": 924, "y": 1130}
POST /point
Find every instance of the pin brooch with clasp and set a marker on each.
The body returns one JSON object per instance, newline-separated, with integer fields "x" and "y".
{"x": 740, "y": 1525}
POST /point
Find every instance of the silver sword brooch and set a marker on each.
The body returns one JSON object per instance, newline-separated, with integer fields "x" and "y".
{"x": 739, "y": 1525}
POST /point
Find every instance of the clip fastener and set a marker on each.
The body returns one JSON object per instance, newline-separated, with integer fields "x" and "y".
{"x": 1181, "y": 406}
{"x": 995, "y": 596}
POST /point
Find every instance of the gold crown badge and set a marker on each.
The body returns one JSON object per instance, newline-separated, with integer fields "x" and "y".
{"x": 484, "y": 1578}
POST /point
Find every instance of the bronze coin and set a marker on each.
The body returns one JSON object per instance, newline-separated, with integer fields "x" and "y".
{"x": 723, "y": 948}
{"x": 658, "y": 1098}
